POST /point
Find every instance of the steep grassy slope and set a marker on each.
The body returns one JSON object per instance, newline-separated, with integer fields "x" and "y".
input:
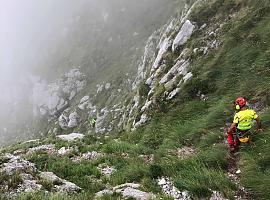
{"x": 240, "y": 67}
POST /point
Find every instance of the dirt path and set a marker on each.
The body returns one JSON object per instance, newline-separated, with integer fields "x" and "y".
{"x": 234, "y": 173}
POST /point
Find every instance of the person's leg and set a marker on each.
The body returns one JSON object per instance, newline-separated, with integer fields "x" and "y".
{"x": 230, "y": 139}
{"x": 236, "y": 144}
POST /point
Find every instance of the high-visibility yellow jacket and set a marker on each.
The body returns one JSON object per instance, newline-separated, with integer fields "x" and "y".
{"x": 244, "y": 119}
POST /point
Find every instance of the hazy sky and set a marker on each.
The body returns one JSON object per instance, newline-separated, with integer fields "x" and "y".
{"x": 25, "y": 27}
{"x": 40, "y": 34}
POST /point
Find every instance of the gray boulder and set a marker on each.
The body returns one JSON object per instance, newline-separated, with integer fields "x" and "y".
{"x": 71, "y": 137}
{"x": 137, "y": 194}
{"x": 73, "y": 120}
{"x": 183, "y": 35}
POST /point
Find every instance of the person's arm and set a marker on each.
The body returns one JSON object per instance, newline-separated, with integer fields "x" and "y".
{"x": 233, "y": 126}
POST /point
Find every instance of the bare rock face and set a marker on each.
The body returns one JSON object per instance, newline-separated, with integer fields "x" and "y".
{"x": 27, "y": 186}
{"x": 128, "y": 190}
{"x": 84, "y": 102}
{"x": 73, "y": 117}
{"x": 180, "y": 68}
{"x": 101, "y": 117}
{"x": 49, "y": 148}
{"x": 69, "y": 119}
{"x": 52, "y": 98}
{"x": 104, "y": 192}
{"x": 137, "y": 194}
{"x": 142, "y": 121}
{"x": 173, "y": 93}
{"x": 16, "y": 163}
{"x": 217, "y": 196}
{"x": 106, "y": 170}
{"x": 166, "y": 44}
{"x": 25, "y": 169}
{"x": 63, "y": 121}
{"x": 169, "y": 189}
{"x": 61, "y": 185}
{"x": 183, "y": 35}
{"x": 148, "y": 57}
{"x": 64, "y": 151}
{"x": 187, "y": 77}
{"x": 50, "y": 176}
{"x": 71, "y": 137}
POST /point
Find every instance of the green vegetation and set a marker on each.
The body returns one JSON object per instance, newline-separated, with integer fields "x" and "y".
{"x": 240, "y": 67}
{"x": 9, "y": 182}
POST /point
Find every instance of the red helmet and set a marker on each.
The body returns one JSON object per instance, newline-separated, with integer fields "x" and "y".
{"x": 240, "y": 101}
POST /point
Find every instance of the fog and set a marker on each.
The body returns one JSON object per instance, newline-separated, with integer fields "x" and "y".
{"x": 46, "y": 38}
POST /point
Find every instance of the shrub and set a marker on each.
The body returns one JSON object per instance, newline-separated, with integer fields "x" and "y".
{"x": 156, "y": 171}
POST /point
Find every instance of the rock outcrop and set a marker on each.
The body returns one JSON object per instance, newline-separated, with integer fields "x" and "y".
{"x": 128, "y": 190}
{"x": 169, "y": 189}
{"x": 71, "y": 137}
{"x": 53, "y": 98}
{"x": 30, "y": 179}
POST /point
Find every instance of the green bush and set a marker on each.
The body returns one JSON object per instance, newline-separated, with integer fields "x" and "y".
{"x": 156, "y": 171}
{"x": 143, "y": 89}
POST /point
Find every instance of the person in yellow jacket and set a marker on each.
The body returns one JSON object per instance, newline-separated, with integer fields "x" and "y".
{"x": 239, "y": 130}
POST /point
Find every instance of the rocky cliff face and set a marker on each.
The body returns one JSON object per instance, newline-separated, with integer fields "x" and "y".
{"x": 164, "y": 69}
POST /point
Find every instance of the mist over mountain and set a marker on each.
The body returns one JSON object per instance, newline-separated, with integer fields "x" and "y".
{"x": 44, "y": 40}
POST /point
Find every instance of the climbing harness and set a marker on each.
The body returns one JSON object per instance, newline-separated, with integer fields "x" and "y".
{"x": 243, "y": 136}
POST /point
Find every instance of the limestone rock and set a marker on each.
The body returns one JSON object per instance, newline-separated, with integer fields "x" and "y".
{"x": 100, "y": 121}
{"x": 107, "y": 86}
{"x": 104, "y": 192}
{"x": 71, "y": 137}
{"x": 64, "y": 151}
{"x": 148, "y": 57}
{"x": 137, "y": 194}
{"x": 16, "y": 163}
{"x": 169, "y": 189}
{"x": 180, "y": 68}
{"x": 106, "y": 170}
{"x": 84, "y": 102}
{"x": 166, "y": 44}
{"x": 146, "y": 105}
{"x": 52, "y": 98}
{"x": 27, "y": 186}
{"x": 51, "y": 177}
{"x": 128, "y": 190}
{"x": 147, "y": 158}
{"x": 49, "y": 148}
{"x": 217, "y": 196}
{"x": 63, "y": 121}
{"x": 73, "y": 117}
{"x": 61, "y": 185}
{"x": 173, "y": 93}
{"x": 183, "y": 35}
{"x": 142, "y": 121}
{"x": 131, "y": 185}
{"x": 187, "y": 77}
{"x": 68, "y": 187}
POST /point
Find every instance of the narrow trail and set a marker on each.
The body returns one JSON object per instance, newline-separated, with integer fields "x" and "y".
{"x": 234, "y": 173}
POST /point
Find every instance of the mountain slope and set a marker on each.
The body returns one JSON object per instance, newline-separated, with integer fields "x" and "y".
{"x": 179, "y": 107}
